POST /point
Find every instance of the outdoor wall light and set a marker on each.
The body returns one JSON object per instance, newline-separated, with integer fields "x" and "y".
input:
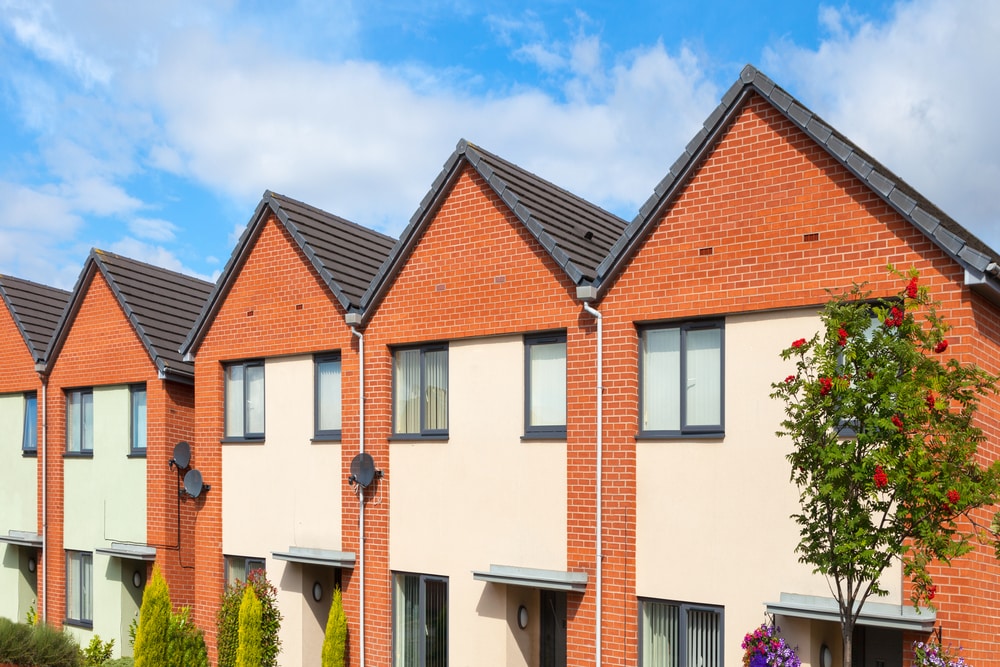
{"x": 522, "y": 617}
{"x": 825, "y": 656}
{"x": 137, "y": 579}
{"x": 317, "y": 591}
{"x": 32, "y": 565}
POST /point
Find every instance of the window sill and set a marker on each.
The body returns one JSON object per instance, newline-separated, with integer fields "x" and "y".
{"x": 78, "y": 455}
{"x": 719, "y": 435}
{"x": 416, "y": 437}
{"x": 242, "y": 441}
{"x": 137, "y": 454}
{"x": 550, "y": 435}
{"x": 326, "y": 438}
{"x": 29, "y": 453}
{"x": 89, "y": 625}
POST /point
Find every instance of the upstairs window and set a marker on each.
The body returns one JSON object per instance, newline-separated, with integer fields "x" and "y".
{"x": 80, "y": 421}
{"x": 420, "y": 391}
{"x": 545, "y": 385}
{"x": 245, "y": 400}
{"x": 682, "y": 379}
{"x": 29, "y": 433}
{"x": 137, "y": 419}
{"x": 328, "y": 396}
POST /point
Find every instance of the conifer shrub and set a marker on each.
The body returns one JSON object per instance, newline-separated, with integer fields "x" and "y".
{"x": 335, "y": 639}
{"x": 152, "y": 639}
{"x": 227, "y": 637}
{"x": 248, "y": 653}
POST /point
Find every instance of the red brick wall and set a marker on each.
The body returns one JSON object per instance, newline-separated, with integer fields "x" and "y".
{"x": 476, "y": 271}
{"x": 757, "y": 196}
{"x": 278, "y": 305}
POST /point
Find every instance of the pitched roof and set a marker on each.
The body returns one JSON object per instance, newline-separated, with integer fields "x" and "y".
{"x": 344, "y": 254}
{"x": 161, "y": 305}
{"x": 576, "y": 233}
{"x": 970, "y": 252}
{"x": 35, "y": 310}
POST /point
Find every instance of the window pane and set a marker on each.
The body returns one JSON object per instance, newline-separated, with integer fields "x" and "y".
{"x": 328, "y": 397}
{"x": 704, "y": 377}
{"x": 87, "y": 400}
{"x": 661, "y": 373}
{"x": 234, "y": 401}
{"x": 703, "y": 638}
{"x": 29, "y": 441}
{"x": 406, "y": 621}
{"x": 73, "y": 409}
{"x": 255, "y": 399}
{"x": 436, "y": 622}
{"x": 138, "y": 418}
{"x": 235, "y": 570}
{"x": 407, "y": 392}
{"x": 73, "y": 586}
{"x": 436, "y": 409}
{"x": 547, "y": 389}
{"x": 660, "y": 635}
{"x": 86, "y": 582}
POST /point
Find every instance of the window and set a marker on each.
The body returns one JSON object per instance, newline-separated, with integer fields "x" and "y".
{"x": 29, "y": 434}
{"x": 245, "y": 400}
{"x": 681, "y": 379}
{"x": 238, "y": 567}
{"x": 80, "y": 421}
{"x": 79, "y": 587}
{"x": 545, "y": 385}
{"x": 419, "y": 621}
{"x": 328, "y": 396}
{"x": 137, "y": 419}
{"x": 673, "y": 634}
{"x": 420, "y": 391}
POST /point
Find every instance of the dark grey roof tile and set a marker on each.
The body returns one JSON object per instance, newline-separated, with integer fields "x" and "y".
{"x": 799, "y": 115}
{"x": 840, "y": 149}
{"x": 903, "y": 202}
{"x": 35, "y": 309}
{"x": 819, "y": 129}
{"x": 951, "y": 241}
{"x": 881, "y": 184}
{"x": 925, "y": 221}
{"x": 860, "y": 166}
{"x": 976, "y": 259}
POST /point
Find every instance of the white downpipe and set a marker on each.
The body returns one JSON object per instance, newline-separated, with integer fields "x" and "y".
{"x": 361, "y": 490}
{"x": 43, "y": 599}
{"x": 600, "y": 477}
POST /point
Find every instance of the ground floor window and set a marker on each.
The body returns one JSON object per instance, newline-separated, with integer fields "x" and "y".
{"x": 679, "y": 634}
{"x": 238, "y": 567}
{"x": 419, "y": 621}
{"x": 79, "y": 587}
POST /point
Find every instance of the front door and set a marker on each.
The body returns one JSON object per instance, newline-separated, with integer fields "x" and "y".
{"x": 552, "y": 643}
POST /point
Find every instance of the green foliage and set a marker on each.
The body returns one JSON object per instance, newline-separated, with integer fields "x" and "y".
{"x": 30, "y": 645}
{"x": 31, "y": 616}
{"x": 98, "y": 652}
{"x": 335, "y": 638}
{"x": 162, "y": 636}
{"x": 227, "y": 638}
{"x": 152, "y": 641}
{"x": 884, "y": 444}
{"x": 133, "y": 629}
{"x": 120, "y": 662}
{"x": 248, "y": 653}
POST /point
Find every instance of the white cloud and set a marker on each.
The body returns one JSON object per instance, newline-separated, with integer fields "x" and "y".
{"x": 153, "y": 229}
{"x": 152, "y": 254}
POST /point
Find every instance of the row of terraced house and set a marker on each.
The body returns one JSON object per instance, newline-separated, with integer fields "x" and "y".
{"x": 527, "y": 432}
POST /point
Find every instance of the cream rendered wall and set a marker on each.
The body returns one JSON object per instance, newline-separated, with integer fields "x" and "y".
{"x": 18, "y": 502}
{"x": 105, "y": 503}
{"x": 712, "y": 520}
{"x": 282, "y": 492}
{"x": 482, "y": 497}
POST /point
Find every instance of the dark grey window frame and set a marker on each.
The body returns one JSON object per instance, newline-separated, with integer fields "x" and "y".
{"x": 81, "y": 452}
{"x": 327, "y": 434}
{"x": 257, "y": 562}
{"x": 547, "y": 431}
{"x": 71, "y": 620}
{"x": 133, "y": 434}
{"x": 424, "y": 432}
{"x": 247, "y": 435}
{"x": 422, "y": 604}
{"x": 685, "y": 431}
{"x": 29, "y": 445}
{"x": 684, "y": 608}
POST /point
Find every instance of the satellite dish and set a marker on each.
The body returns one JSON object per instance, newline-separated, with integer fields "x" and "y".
{"x": 182, "y": 455}
{"x": 193, "y": 484}
{"x": 363, "y": 469}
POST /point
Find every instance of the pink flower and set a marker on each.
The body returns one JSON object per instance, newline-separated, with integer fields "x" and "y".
{"x": 790, "y": 379}
{"x": 895, "y": 318}
{"x": 931, "y": 591}
{"x": 953, "y": 497}
{"x": 931, "y": 400}
{"x": 842, "y": 336}
{"x": 825, "y": 385}
{"x": 941, "y": 347}
{"x": 898, "y": 423}
{"x": 799, "y": 343}
{"x": 911, "y": 288}
{"x": 880, "y": 478}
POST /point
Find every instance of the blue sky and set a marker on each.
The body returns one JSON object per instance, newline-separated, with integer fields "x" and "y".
{"x": 151, "y": 129}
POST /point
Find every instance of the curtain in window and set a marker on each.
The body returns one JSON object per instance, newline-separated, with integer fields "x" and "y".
{"x": 661, "y": 373}
{"x": 86, "y": 594}
{"x": 73, "y": 420}
{"x": 87, "y": 425}
{"x": 255, "y": 399}
{"x": 234, "y": 401}
{"x": 436, "y": 369}
{"x": 436, "y": 622}
{"x": 73, "y": 586}
{"x": 138, "y": 419}
{"x": 704, "y": 377}
{"x": 29, "y": 441}
{"x": 407, "y": 398}
{"x": 703, "y": 645}
{"x": 660, "y": 635}
{"x": 328, "y": 385}
{"x": 547, "y": 370}
{"x": 406, "y": 622}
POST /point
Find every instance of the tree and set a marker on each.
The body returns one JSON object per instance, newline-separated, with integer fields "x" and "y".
{"x": 248, "y": 652}
{"x": 227, "y": 638}
{"x": 152, "y": 639}
{"x": 335, "y": 639}
{"x": 884, "y": 446}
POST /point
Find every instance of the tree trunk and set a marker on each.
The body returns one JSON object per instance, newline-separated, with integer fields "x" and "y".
{"x": 847, "y": 635}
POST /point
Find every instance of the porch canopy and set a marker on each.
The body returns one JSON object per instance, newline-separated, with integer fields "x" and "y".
{"x": 550, "y": 580}
{"x": 873, "y": 614}
{"x": 327, "y": 557}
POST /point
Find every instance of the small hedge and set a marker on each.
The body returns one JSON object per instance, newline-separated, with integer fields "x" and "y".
{"x": 30, "y": 645}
